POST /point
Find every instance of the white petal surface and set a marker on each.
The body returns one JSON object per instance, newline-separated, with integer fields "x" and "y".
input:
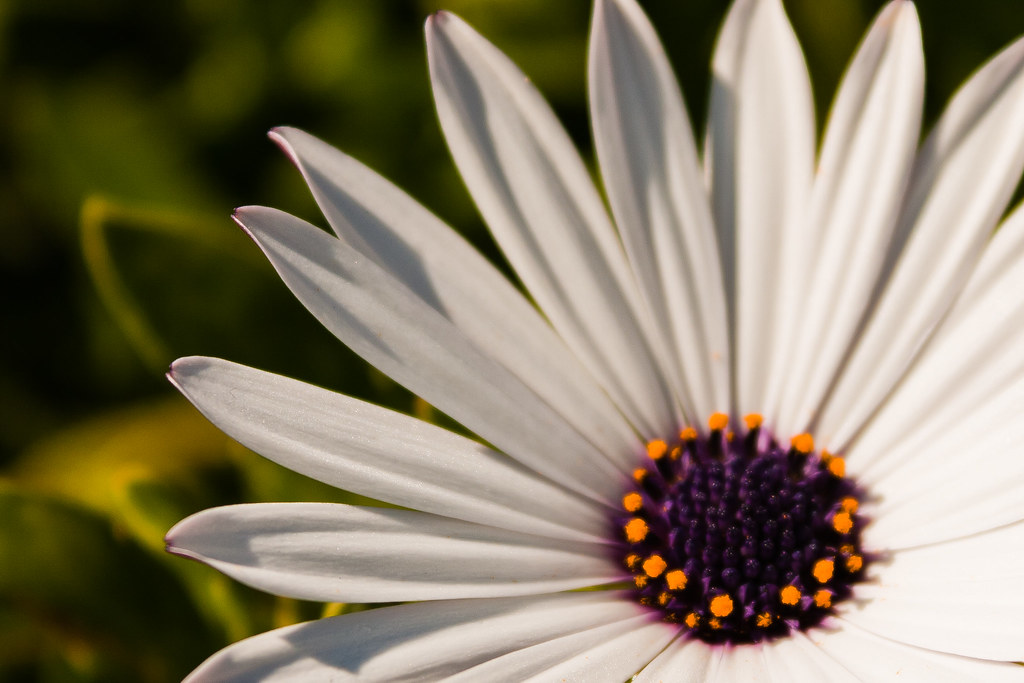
{"x": 379, "y": 453}
{"x": 652, "y": 175}
{"x": 963, "y": 179}
{"x": 865, "y": 164}
{"x": 384, "y": 223}
{"x": 760, "y": 157}
{"x": 873, "y": 658}
{"x": 965, "y": 479}
{"x": 392, "y": 329}
{"x": 344, "y": 553}
{"x": 797, "y": 659}
{"x": 535, "y": 194}
{"x": 744, "y": 663}
{"x": 613, "y": 652}
{"x": 974, "y": 358}
{"x": 962, "y": 597}
{"x": 425, "y": 641}
{"x": 684, "y": 661}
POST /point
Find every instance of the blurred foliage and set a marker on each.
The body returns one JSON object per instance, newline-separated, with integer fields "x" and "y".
{"x": 128, "y": 131}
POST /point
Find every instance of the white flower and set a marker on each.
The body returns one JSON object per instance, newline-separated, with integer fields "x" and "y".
{"x": 865, "y": 300}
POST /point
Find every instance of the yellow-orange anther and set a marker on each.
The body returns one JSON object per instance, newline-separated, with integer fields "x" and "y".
{"x": 654, "y": 566}
{"x": 688, "y": 434}
{"x": 823, "y": 598}
{"x": 849, "y": 505}
{"x": 802, "y": 443}
{"x": 639, "y": 474}
{"x": 676, "y": 580}
{"x": 640, "y": 580}
{"x": 721, "y": 605}
{"x": 764, "y": 620}
{"x": 790, "y": 595}
{"x": 692, "y": 619}
{"x": 636, "y": 530}
{"x": 854, "y": 563}
{"x": 663, "y": 599}
{"x": 714, "y": 623}
{"x": 632, "y": 501}
{"x": 823, "y": 570}
{"x": 718, "y": 421}
{"x": 675, "y": 453}
{"x": 842, "y": 522}
{"x": 837, "y": 466}
{"x": 846, "y": 548}
{"x": 753, "y": 420}
{"x": 656, "y": 448}
{"x": 632, "y": 560}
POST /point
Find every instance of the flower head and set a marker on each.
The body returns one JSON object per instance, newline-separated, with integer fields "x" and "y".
{"x": 771, "y": 405}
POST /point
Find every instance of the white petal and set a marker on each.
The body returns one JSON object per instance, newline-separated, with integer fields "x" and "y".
{"x": 651, "y": 172}
{"x": 684, "y": 661}
{"x": 432, "y": 260}
{"x": 873, "y": 658}
{"x": 613, "y": 652}
{"x": 963, "y": 179}
{"x": 964, "y": 479}
{"x": 760, "y": 157}
{"x": 535, "y": 194}
{"x": 343, "y": 553}
{"x": 974, "y": 357}
{"x": 423, "y": 641}
{"x": 797, "y": 659}
{"x": 963, "y": 597}
{"x": 393, "y": 330}
{"x": 379, "y": 453}
{"x": 742, "y": 663}
{"x": 864, "y": 168}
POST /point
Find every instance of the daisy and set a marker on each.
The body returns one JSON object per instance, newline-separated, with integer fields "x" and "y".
{"x": 771, "y": 405}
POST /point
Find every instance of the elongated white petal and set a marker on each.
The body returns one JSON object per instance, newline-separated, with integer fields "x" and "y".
{"x": 381, "y": 221}
{"x": 760, "y": 159}
{"x": 961, "y": 481}
{"x": 798, "y": 659}
{"x": 974, "y": 357}
{"x": 865, "y": 164}
{"x": 424, "y": 641}
{"x": 611, "y": 652}
{"x": 379, "y": 453}
{"x": 963, "y": 179}
{"x": 684, "y": 661}
{"x": 391, "y": 328}
{"x": 652, "y": 175}
{"x": 963, "y": 597}
{"x": 873, "y": 658}
{"x": 743, "y": 663}
{"x": 535, "y": 194}
{"x": 343, "y": 553}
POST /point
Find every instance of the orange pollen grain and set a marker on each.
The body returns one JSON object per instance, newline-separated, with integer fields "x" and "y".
{"x": 823, "y": 570}
{"x": 790, "y": 595}
{"x": 849, "y": 505}
{"x": 676, "y": 580}
{"x": 764, "y": 620}
{"x": 837, "y": 466}
{"x": 640, "y": 580}
{"x": 842, "y": 522}
{"x": 692, "y": 619}
{"x": 656, "y": 448}
{"x": 632, "y": 560}
{"x": 802, "y": 443}
{"x": 639, "y": 474}
{"x": 636, "y": 530}
{"x": 823, "y": 598}
{"x": 846, "y": 549}
{"x": 664, "y": 598}
{"x": 714, "y": 623}
{"x": 632, "y": 501}
{"x": 688, "y": 434}
{"x": 721, "y": 605}
{"x": 718, "y": 421}
{"x": 654, "y": 566}
{"x": 753, "y": 420}
{"x": 854, "y": 563}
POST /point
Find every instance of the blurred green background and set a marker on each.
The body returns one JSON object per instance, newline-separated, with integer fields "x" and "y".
{"x": 128, "y": 132}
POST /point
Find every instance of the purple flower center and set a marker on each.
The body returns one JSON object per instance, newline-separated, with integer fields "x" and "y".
{"x": 738, "y": 539}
